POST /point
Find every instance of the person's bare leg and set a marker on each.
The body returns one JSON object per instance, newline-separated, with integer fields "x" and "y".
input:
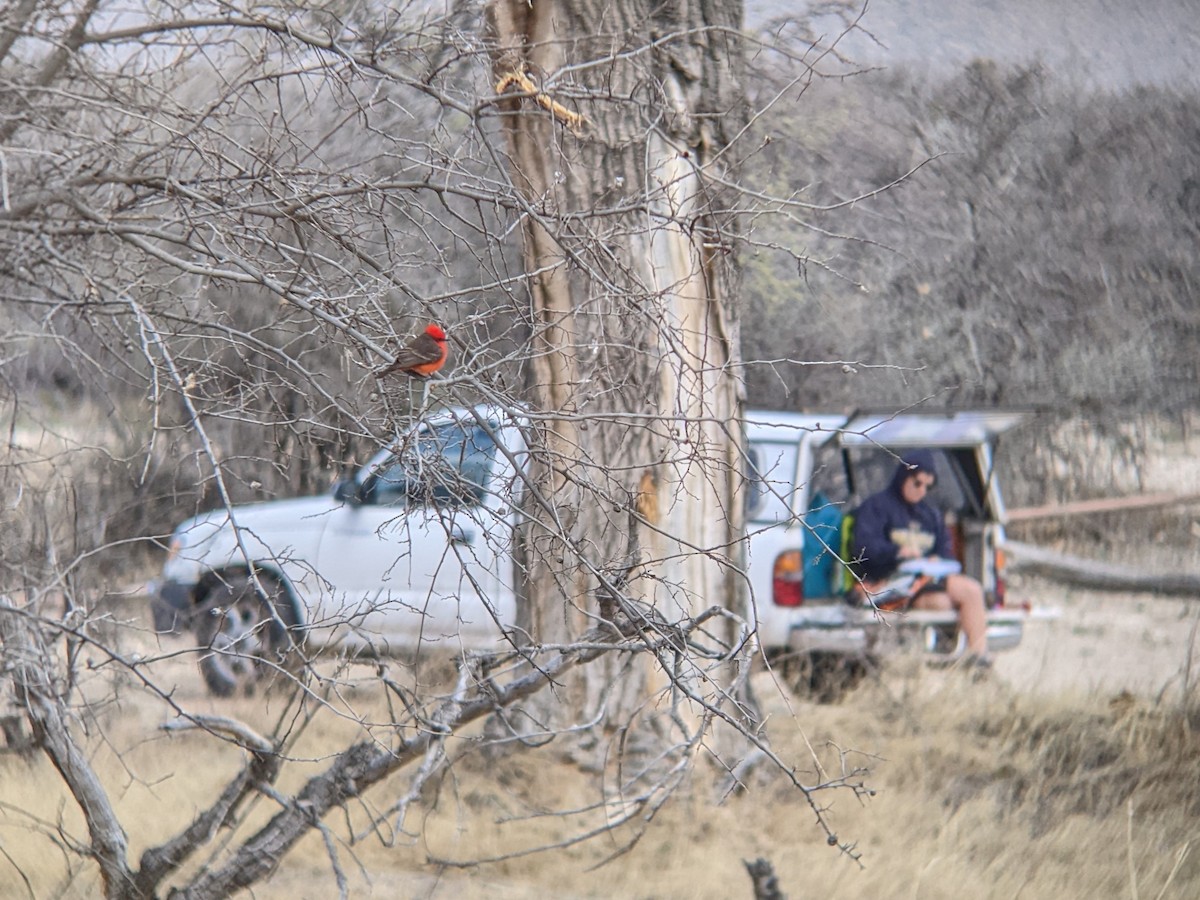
{"x": 964, "y": 595}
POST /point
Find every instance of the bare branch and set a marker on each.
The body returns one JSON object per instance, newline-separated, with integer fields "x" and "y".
{"x": 29, "y": 661}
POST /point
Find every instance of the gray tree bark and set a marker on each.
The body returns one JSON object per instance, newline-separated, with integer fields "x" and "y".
{"x": 619, "y": 119}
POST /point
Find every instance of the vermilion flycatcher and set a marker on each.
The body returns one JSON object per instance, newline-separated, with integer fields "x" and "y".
{"x": 422, "y": 356}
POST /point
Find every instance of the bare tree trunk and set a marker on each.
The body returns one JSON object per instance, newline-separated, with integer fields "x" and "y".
{"x": 619, "y": 156}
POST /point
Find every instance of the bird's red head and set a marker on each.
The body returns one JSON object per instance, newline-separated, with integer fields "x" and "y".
{"x": 435, "y": 332}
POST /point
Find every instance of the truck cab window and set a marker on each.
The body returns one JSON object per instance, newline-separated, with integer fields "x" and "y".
{"x": 445, "y": 466}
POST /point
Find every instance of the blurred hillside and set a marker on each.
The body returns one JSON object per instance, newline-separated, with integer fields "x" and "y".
{"x": 997, "y": 236}
{"x": 1103, "y": 43}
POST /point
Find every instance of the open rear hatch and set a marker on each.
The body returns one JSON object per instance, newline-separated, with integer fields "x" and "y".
{"x": 964, "y": 438}
{"x": 932, "y": 428}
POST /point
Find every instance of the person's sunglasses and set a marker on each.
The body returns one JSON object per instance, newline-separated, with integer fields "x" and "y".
{"x": 923, "y": 483}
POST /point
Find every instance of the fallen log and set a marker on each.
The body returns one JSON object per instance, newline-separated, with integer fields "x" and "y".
{"x": 1103, "y": 576}
{"x": 1101, "y": 505}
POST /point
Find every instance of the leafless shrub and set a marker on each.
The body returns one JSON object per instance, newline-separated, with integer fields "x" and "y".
{"x": 215, "y": 226}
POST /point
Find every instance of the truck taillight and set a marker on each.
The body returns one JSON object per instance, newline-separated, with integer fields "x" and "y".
{"x": 1001, "y": 588}
{"x": 787, "y": 584}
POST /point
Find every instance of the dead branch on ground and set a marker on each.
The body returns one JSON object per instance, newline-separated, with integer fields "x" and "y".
{"x": 1090, "y": 573}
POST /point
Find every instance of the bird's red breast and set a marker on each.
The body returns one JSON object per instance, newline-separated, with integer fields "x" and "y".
{"x": 422, "y": 356}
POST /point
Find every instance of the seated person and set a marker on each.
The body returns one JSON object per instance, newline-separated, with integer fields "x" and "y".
{"x": 899, "y": 524}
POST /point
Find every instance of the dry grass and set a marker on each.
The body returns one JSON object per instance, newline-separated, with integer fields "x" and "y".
{"x": 1072, "y": 772}
{"x": 1061, "y": 776}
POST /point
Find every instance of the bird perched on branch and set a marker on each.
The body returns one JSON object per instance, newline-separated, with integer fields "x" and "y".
{"x": 422, "y": 356}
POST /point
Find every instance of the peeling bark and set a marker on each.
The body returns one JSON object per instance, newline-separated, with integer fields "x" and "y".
{"x": 631, "y": 294}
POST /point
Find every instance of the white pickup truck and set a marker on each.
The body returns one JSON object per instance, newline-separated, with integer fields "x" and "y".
{"x": 415, "y": 547}
{"x": 797, "y": 540}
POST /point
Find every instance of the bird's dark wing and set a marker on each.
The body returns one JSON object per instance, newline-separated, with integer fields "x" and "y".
{"x": 422, "y": 349}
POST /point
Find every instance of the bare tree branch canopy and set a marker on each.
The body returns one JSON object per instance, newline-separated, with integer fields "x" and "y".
{"x": 219, "y": 225}
{"x": 216, "y": 224}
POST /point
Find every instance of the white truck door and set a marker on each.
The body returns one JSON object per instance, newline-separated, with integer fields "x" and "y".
{"x": 418, "y": 560}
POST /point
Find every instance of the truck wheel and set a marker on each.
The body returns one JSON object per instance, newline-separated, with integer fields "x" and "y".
{"x": 247, "y": 638}
{"x": 832, "y": 676}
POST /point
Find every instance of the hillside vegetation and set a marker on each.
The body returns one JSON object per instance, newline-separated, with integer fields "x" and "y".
{"x": 1037, "y": 245}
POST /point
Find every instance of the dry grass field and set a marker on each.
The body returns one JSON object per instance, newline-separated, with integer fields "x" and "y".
{"x": 1071, "y": 771}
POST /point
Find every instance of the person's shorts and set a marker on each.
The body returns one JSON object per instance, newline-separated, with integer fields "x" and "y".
{"x": 881, "y": 597}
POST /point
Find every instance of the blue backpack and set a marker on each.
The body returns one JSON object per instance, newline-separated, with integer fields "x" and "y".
{"x": 822, "y": 543}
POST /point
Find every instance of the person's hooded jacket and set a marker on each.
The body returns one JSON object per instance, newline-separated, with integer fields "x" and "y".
{"x": 885, "y": 521}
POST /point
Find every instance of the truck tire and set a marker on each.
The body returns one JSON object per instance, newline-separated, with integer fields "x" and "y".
{"x": 822, "y": 676}
{"x": 246, "y": 637}
{"x": 832, "y": 676}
